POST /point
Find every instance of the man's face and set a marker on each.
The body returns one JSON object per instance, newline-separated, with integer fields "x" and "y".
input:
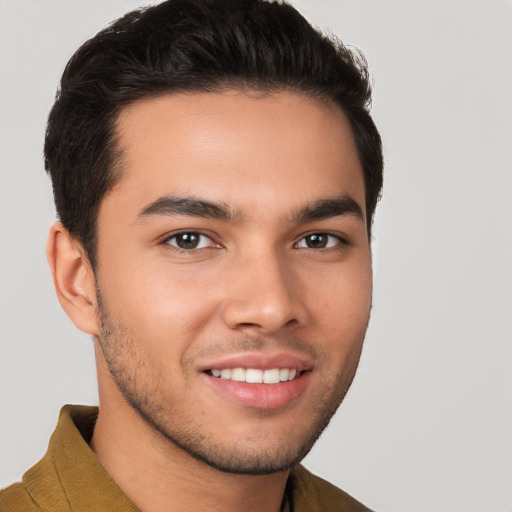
{"x": 235, "y": 243}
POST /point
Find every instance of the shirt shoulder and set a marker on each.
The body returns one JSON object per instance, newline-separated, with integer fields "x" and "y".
{"x": 16, "y": 498}
{"x": 69, "y": 477}
{"x": 311, "y": 493}
{"x": 40, "y": 489}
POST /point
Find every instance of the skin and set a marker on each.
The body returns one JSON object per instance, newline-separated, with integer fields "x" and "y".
{"x": 258, "y": 286}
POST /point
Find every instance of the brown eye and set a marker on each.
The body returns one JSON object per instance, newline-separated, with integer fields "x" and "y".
{"x": 319, "y": 241}
{"x": 190, "y": 240}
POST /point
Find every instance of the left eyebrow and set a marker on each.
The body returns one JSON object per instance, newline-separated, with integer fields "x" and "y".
{"x": 188, "y": 206}
{"x": 329, "y": 207}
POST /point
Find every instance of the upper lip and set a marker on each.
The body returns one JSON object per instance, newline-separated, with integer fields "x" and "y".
{"x": 260, "y": 360}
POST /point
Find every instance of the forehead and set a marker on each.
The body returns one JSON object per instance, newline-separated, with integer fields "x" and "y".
{"x": 238, "y": 148}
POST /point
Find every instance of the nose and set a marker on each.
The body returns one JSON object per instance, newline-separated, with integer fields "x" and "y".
{"x": 265, "y": 295}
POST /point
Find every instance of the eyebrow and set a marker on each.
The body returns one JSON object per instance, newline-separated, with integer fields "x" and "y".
{"x": 172, "y": 205}
{"x": 321, "y": 209}
{"x": 329, "y": 207}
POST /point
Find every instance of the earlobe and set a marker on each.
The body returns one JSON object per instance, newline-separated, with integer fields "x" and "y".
{"x": 73, "y": 278}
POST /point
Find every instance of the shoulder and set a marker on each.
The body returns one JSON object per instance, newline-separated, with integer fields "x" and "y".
{"x": 16, "y": 498}
{"x": 40, "y": 489}
{"x": 312, "y": 493}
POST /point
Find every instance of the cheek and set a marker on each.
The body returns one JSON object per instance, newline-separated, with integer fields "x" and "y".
{"x": 342, "y": 307}
{"x": 158, "y": 301}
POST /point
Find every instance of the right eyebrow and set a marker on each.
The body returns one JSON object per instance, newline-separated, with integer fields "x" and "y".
{"x": 174, "y": 205}
{"x": 329, "y": 207}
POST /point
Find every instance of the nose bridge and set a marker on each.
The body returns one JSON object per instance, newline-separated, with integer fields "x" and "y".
{"x": 264, "y": 293}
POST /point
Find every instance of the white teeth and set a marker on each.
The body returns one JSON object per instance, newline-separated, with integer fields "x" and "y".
{"x": 255, "y": 375}
{"x": 271, "y": 376}
{"x": 284, "y": 374}
{"x": 238, "y": 374}
{"x": 225, "y": 374}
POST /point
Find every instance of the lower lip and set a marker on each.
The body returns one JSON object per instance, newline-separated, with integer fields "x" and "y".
{"x": 260, "y": 396}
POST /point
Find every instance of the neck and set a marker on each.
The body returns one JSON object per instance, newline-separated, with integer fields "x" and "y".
{"x": 159, "y": 476}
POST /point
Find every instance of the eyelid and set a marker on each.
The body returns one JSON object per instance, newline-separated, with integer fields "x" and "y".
{"x": 343, "y": 241}
{"x": 166, "y": 239}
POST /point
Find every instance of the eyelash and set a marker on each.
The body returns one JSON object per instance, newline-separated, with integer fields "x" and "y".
{"x": 167, "y": 241}
{"x": 339, "y": 240}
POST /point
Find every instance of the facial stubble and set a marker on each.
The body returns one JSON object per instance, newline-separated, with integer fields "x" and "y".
{"x": 139, "y": 380}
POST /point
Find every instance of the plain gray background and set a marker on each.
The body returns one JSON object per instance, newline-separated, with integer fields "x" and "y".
{"x": 427, "y": 425}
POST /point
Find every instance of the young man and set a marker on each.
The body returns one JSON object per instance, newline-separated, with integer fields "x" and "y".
{"x": 215, "y": 171}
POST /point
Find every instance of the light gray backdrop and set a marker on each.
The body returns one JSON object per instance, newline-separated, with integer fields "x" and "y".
{"x": 427, "y": 425}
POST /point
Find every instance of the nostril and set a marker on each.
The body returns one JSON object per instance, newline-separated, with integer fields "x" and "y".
{"x": 248, "y": 325}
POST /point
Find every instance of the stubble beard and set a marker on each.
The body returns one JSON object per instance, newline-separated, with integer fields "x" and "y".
{"x": 138, "y": 382}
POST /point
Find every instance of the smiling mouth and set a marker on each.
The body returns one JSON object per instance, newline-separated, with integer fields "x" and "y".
{"x": 256, "y": 375}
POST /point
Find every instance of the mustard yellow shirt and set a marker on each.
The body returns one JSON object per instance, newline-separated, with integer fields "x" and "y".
{"x": 69, "y": 478}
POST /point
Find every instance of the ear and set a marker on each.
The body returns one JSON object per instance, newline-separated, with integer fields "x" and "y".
{"x": 73, "y": 278}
